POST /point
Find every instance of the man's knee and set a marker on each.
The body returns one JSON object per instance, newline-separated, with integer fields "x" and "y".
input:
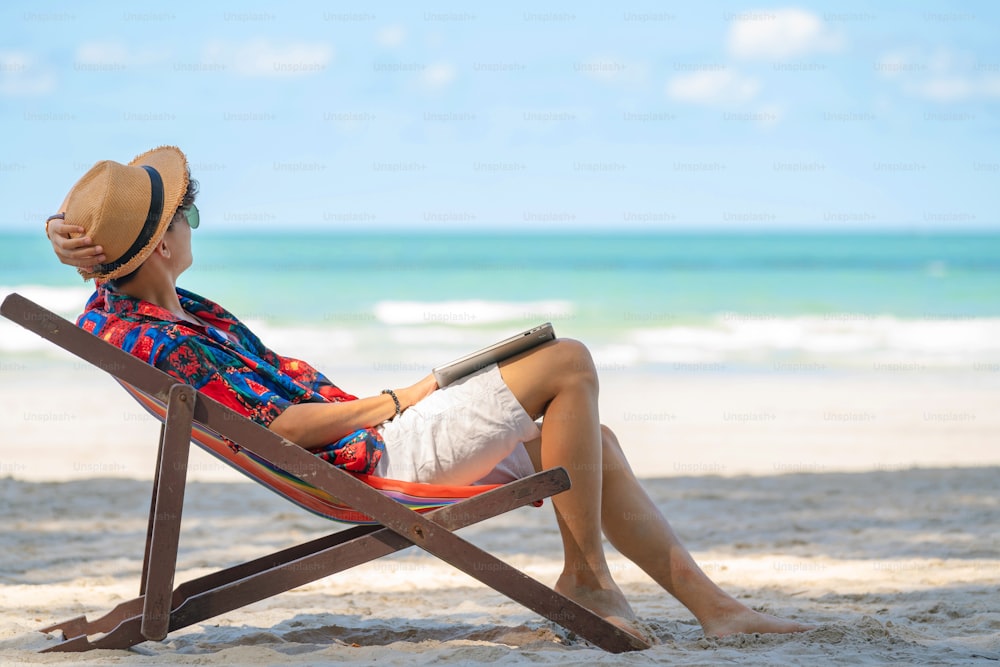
{"x": 576, "y": 360}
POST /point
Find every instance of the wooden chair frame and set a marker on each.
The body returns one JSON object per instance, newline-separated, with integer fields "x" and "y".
{"x": 161, "y": 608}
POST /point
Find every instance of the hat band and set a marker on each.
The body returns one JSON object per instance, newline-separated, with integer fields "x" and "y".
{"x": 148, "y": 227}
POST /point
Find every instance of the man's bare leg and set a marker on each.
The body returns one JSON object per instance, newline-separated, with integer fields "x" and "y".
{"x": 559, "y": 380}
{"x": 637, "y": 528}
{"x": 629, "y": 518}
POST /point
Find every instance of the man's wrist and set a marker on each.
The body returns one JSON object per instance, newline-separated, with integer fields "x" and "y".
{"x": 57, "y": 216}
{"x": 395, "y": 402}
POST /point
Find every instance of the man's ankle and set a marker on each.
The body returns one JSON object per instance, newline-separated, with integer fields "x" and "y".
{"x": 587, "y": 577}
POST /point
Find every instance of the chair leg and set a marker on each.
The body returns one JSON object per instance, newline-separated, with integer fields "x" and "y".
{"x": 165, "y": 520}
{"x": 213, "y": 594}
{"x": 80, "y": 625}
{"x": 159, "y": 561}
{"x": 152, "y": 511}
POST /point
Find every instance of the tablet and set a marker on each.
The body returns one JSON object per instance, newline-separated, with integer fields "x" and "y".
{"x": 495, "y": 353}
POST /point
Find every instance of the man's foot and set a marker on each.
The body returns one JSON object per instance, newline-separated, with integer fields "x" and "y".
{"x": 748, "y": 621}
{"x": 608, "y": 603}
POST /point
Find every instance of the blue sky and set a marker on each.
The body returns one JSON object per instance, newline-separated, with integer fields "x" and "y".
{"x": 644, "y": 115}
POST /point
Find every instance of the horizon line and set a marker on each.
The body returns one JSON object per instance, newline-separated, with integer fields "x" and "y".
{"x": 901, "y": 228}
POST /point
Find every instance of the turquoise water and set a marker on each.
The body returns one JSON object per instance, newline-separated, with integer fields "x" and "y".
{"x": 608, "y": 277}
{"x": 639, "y": 299}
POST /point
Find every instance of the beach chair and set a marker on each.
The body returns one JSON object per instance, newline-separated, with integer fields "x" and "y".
{"x": 390, "y": 516}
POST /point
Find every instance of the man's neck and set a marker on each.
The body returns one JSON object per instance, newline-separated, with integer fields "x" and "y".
{"x": 162, "y": 293}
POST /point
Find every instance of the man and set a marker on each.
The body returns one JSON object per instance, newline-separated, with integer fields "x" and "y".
{"x": 129, "y": 227}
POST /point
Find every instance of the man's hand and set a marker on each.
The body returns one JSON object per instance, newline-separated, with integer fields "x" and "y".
{"x": 417, "y": 392}
{"x": 79, "y": 252}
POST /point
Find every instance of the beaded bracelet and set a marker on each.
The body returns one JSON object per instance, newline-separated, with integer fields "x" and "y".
{"x": 395, "y": 400}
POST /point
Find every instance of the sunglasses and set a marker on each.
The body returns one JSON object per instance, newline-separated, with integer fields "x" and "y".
{"x": 192, "y": 216}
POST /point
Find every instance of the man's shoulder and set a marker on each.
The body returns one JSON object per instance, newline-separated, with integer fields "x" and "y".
{"x": 142, "y": 338}
{"x": 126, "y": 326}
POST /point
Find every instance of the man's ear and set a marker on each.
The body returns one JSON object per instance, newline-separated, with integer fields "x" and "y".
{"x": 163, "y": 249}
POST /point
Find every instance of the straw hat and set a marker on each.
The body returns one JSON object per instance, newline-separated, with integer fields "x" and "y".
{"x": 126, "y": 208}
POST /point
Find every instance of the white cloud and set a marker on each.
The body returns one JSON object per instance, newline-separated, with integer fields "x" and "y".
{"x": 22, "y": 76}
{"x": 780, "y": 33}
{"x": 722, "y": 86}
{"x": 955, "y": 88}
{"x": 438, "y": 75}
{"x": 940, "y": 76}
{"x": 942, "y": 89}
{"x": 944, "y": 61}
{"x": 391, "y": 36}
{"x": 990, "y": 86}
{"x": 101, "y": 53}
{"x": 263, "y": 58}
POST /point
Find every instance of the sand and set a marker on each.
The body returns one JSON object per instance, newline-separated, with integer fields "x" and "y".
{"x": 864, "y": 504}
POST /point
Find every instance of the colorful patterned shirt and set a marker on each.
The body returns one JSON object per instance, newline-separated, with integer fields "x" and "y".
{"x": 225, "y": 361}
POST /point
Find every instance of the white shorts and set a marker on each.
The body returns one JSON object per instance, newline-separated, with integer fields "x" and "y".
{"x": 470, "y": 432}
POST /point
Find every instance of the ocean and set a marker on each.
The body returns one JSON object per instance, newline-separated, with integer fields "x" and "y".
{"x": 722, "y": 302}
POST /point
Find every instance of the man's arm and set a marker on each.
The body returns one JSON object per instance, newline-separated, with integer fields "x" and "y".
{"x": 219, "y": 373}
{"x": 312, "y": 425}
